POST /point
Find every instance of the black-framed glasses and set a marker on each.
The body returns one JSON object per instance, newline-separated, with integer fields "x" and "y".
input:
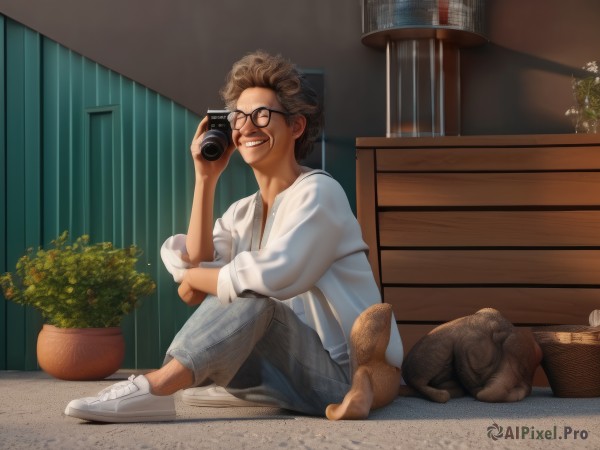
{"x": 260, "y": 117}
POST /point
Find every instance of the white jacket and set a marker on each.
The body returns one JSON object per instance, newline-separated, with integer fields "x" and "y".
{"x": 311, "y": 256}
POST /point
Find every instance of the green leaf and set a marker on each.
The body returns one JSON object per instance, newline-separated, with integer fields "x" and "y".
{"x": 79, "y": 285}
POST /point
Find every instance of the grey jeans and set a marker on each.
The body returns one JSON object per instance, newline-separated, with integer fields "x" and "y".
{"x": 259, "y": 350}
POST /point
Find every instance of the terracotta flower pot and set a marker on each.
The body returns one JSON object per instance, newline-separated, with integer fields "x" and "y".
{"x": 80, "y": 353}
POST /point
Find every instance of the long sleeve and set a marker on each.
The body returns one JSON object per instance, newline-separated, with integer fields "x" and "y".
{"x": 310, "y": 232}
{"x": 312, "y": 256}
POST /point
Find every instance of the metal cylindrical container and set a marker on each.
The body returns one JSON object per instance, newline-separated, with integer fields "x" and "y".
{"x": 423, "y": 86}
{"x": 422, "y": 39}
{"x": 458, "y": 21}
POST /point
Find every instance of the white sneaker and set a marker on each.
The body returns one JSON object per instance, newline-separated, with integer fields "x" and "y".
{"x": 126, "y": 401}
{"x": 213, "y": 396}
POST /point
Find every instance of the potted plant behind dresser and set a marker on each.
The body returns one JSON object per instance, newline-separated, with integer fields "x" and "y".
{"x": 83, "y": 291}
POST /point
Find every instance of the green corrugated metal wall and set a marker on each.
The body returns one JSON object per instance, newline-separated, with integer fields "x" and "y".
{"x": 86, "y": 150}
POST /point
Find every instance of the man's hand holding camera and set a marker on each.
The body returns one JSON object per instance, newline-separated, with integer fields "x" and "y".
{"x": 212, "y": 145}
{"x": 211, "y": 148}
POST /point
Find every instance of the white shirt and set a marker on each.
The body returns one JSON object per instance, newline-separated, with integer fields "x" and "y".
{"x": 311, "y": 256}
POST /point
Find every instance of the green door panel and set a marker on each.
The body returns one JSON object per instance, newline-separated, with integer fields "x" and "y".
{"x": 87, "y": 150}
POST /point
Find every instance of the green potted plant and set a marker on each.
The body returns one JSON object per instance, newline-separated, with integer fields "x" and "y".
{"x": 586, "y": 92}
{"x": 83, "y": 291}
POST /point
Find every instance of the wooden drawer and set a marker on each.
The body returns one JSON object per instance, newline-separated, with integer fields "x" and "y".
{"x": 455, "y": 224}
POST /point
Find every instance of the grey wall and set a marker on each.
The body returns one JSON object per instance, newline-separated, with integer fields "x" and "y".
{"x": 519, "y": 83}
{"x": 184, "y": 48}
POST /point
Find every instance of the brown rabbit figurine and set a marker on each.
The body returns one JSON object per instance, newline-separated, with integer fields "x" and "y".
{"x": 482, "y": 354}
{"x": 375, "y": 383}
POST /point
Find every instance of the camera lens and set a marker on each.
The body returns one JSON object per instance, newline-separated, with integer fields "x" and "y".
{"x": 213, "y": 145}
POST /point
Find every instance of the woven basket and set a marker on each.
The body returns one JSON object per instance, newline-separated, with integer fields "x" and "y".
{"x": 571, "y": 359}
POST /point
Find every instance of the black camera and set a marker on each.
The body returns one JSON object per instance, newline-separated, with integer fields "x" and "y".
{"x": 218, "y": 136}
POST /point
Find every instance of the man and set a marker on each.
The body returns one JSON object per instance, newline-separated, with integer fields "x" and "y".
{"x": 280, "y": 279}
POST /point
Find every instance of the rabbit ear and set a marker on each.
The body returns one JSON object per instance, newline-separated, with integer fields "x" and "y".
{"x": 370, "y": 333}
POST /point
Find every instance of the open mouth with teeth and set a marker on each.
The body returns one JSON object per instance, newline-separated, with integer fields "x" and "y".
{"x": 254, "y": 143}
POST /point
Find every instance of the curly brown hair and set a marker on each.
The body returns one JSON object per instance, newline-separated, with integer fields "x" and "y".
{"x": 260, "y": 69}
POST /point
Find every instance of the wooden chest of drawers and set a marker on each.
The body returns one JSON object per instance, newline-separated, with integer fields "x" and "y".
{"x": 459, "y": 223}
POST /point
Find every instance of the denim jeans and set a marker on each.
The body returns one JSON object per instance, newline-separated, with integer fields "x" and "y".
{"x": 259, "y": 350}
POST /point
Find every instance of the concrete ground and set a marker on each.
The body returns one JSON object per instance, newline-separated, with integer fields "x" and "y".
{"x": 32, "y": 404}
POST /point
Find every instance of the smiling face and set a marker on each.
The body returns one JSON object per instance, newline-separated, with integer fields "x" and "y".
{"x": 268, "y": 147}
